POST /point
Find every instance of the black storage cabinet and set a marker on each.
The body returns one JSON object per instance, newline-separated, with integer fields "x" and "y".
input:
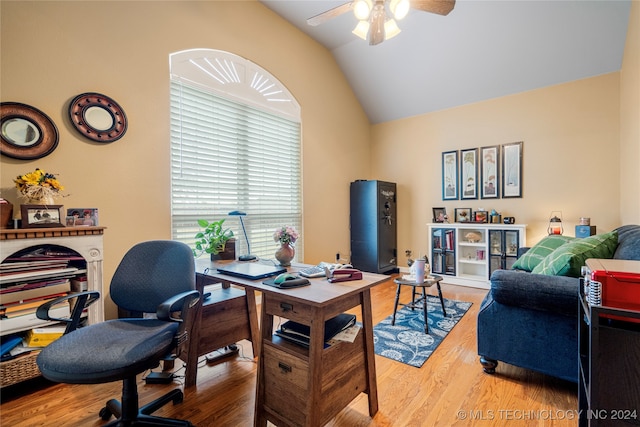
{"x": 374, "y": 226}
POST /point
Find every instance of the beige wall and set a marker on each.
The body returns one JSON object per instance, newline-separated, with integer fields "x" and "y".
{"x": 53, "y": 51}
{"x": 577, "y": 136}
{"x": 571, "y": 156}
{"x": 630, "y": 122}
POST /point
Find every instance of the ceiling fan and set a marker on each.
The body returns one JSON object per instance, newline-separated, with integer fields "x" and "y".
{"x": 377, "y": 18}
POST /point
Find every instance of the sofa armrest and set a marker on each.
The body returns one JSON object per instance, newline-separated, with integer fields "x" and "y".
{"x": 558, "y": 294}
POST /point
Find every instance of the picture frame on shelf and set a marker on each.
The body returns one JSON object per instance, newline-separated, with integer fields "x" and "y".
{"x": 82, "y": 217}
{"x": 511, "y": 155}
{"x": 463, "y": 215}
{"x": 439, "y": 214}
{"x": 41, "y": 216}
{"x": 481, "y": 216}
{"x": 469, "y": 174}
{"x": 489, "y": 172}
{"x": 450, "y": 175}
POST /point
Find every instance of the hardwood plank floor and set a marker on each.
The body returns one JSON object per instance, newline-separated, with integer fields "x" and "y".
{"x": 449, "y": 390}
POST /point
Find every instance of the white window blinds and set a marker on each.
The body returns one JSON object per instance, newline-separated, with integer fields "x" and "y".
{"x": 227, "y": 156}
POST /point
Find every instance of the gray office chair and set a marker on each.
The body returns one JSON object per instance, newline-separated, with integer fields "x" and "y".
{"x": 153, "y": 277}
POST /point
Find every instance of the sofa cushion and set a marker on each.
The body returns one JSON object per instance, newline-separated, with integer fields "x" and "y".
{"x": 628, "y": 242}
{"x": 536, "y": 292}
{"x": 538, "y": 252}
{"x": 568, "y": 259}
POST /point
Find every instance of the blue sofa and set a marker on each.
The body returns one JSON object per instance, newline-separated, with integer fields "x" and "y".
{"x": 531, "y": 320}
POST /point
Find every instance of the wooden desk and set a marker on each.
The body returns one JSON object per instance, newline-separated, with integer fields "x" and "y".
{"x": 307, "y": 387}
{"x": 228, "y": 316}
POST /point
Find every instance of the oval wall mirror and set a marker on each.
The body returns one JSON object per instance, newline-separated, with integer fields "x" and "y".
{"x": 97, "y": 117}
{"x": 27, "y": 133}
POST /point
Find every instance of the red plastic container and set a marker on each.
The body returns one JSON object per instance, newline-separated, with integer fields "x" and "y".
{"x": 613, "y": 283}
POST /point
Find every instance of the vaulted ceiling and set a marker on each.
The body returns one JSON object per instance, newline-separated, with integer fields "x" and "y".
{"x": 483, "y": 49}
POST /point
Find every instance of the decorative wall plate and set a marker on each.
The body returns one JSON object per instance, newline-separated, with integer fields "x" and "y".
{"x": 26, "y": 132}
{"x": 98, "y": 117}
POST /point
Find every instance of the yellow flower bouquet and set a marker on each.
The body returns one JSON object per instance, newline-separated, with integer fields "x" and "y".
{"x": 38, "y": 185}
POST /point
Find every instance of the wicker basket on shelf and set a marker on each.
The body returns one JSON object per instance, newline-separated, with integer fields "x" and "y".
{"x": 19, "y": 369}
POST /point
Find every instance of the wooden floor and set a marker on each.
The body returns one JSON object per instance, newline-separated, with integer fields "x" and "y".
{"x": 449, "y": 390}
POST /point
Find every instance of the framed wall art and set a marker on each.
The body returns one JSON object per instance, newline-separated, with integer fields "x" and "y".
{"x": 450, "y": 175}
{"x": 489, "y": 166}
{"x": 41, "y": 216}
{"x": 469, "y": 173}
{"x": 511, "y": 170}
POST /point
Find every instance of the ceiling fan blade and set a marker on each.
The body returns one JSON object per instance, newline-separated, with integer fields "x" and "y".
{"x": 329, "y": 14}
{"x": 440, "y": 7}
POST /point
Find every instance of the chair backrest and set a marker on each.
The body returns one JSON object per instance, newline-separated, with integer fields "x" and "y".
{"x": 150, "y": 273}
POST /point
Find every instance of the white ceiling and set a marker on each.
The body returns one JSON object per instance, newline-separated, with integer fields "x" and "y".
{"x": 483, "y": 49}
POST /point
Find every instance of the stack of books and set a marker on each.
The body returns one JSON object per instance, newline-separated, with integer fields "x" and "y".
{"x": 300, "y": 334}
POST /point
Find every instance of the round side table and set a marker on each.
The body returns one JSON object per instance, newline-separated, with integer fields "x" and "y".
{"x": 428, "y": 282}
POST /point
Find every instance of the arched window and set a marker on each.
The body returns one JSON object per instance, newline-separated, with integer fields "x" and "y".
{"x": 235, "y": 145}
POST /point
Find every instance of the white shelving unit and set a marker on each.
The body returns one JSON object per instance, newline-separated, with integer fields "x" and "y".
{"x": 461, "y": 251}
{"x": 87, "y": 242}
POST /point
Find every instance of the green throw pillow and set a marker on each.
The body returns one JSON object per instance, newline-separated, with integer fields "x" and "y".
{"x": 538, "y": 252}
{"x": 569, "y": 258}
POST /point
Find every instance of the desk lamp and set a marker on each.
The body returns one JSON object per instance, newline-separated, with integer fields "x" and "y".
{"x": 247, "y": 257}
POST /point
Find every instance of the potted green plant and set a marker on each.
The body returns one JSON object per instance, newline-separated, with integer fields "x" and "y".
{"x": 215, "y": 240}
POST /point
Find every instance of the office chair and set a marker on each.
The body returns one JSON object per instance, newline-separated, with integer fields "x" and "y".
{"x": 153, "y": 277}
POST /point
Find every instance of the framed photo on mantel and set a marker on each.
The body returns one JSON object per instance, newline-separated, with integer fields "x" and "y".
{"x": 41, "y": 216}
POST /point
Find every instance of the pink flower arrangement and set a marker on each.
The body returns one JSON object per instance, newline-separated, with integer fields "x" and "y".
{"x": 286, "y": 235}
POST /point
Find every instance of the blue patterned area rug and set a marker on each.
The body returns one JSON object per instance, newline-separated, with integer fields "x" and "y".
{"x": 406, "y": 342}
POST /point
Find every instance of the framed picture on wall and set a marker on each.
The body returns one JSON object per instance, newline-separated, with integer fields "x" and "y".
{"x": 512, "y": 170}
{"x": 450, "y": 175}
{"x": 469, "y": 173}
{"x": 489, "y": 167}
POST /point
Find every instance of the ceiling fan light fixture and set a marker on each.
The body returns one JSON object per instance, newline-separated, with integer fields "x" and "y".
{"x": 362, "y": 29}
{"x": 391, "y": 29}
{"x": 399, "y": 8}
{"x": 362, "y": 9}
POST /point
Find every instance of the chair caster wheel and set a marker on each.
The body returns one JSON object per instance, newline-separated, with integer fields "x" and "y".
{"x": 105, "y": 413}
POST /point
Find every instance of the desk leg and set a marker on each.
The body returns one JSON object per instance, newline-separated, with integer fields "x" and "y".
{"x": 370, "y": 361}
{"x": 192, "y": 349}
{"x": 316, "y": 347}
{"x": 259, "y": 418}
{"x": 252, "y": 311}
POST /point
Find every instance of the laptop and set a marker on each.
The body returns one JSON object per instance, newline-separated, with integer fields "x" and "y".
{"x": 251, "y": 270}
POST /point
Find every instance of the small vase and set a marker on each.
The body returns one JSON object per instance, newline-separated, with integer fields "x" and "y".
{"x": 285, "y": 254}
{"x": 47, "y": 200}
